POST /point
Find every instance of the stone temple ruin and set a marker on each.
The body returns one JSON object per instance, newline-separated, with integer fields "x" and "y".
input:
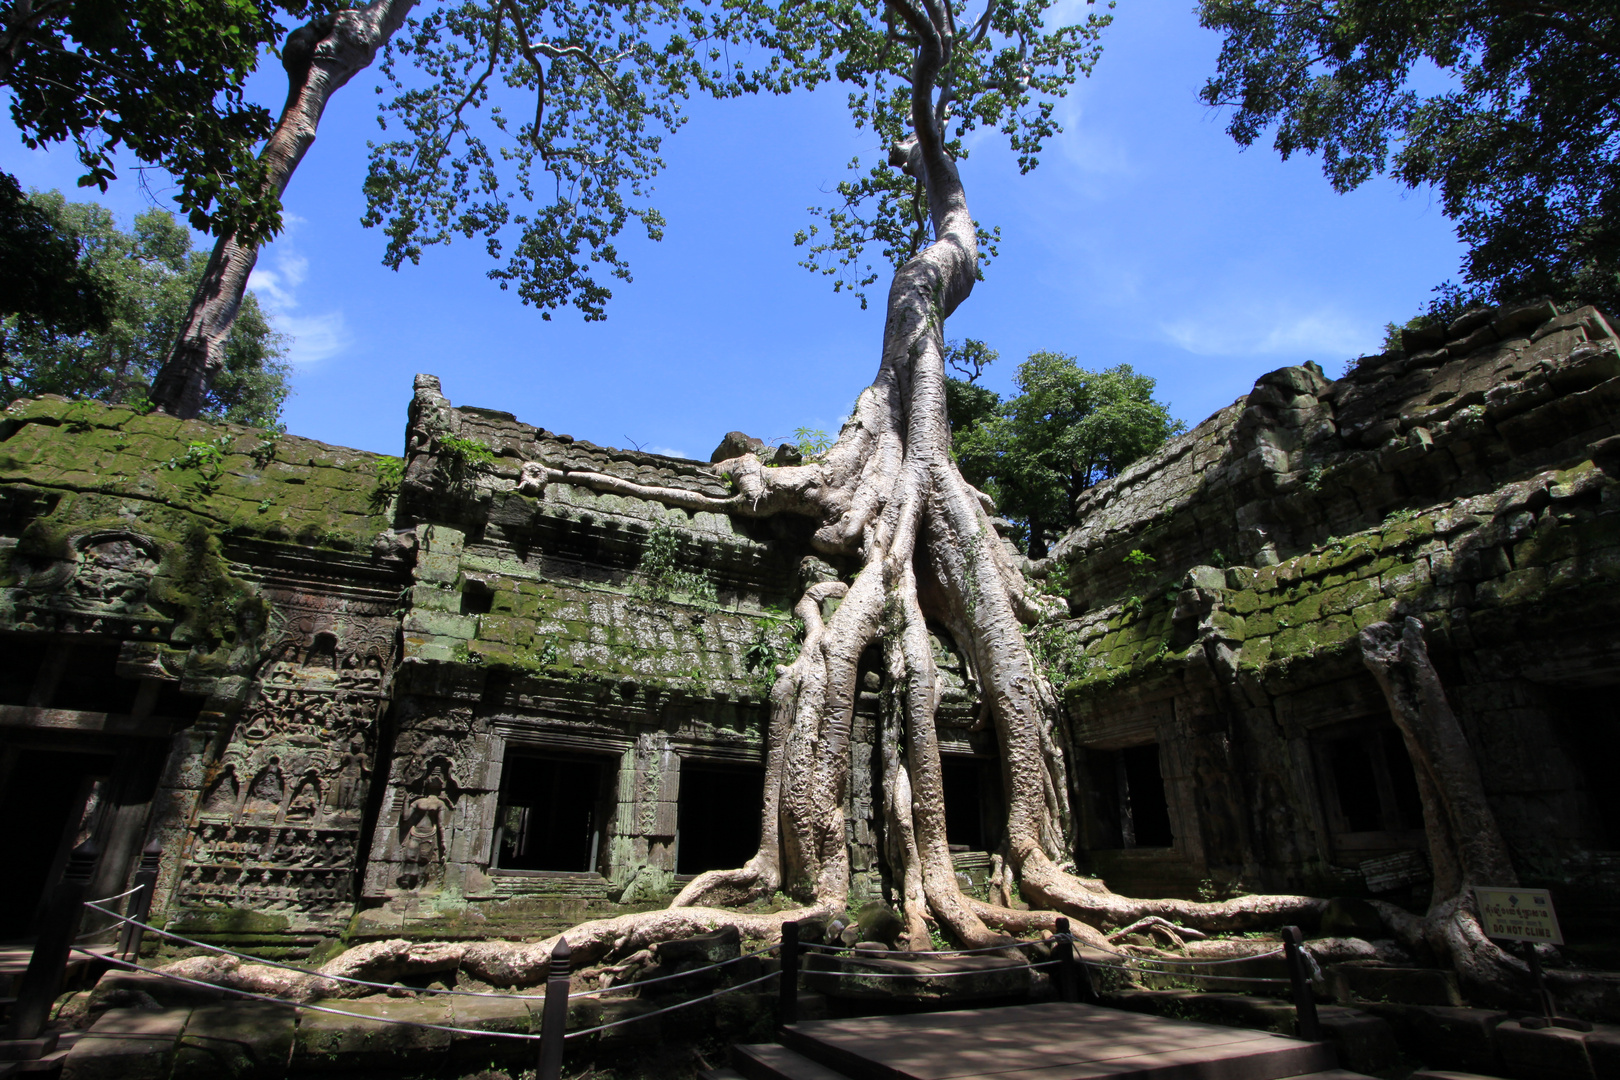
{"x": 353, "y": 699}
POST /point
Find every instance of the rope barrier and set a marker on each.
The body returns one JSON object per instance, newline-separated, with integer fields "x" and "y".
{"x": 120, "y": 896}
{"x": 316, "y": 1008}
{"x": 1206, "y": 963}
{"x": 677, "y": 975}
{"x": 1187, "y": 974}
{"x": 395, "y": 986}
{"x": 670, "y": 1008}
{"x": 823, "y": 947}
{"x": 927, "y": 974}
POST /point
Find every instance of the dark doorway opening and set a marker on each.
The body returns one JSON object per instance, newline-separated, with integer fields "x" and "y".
{"x": 965, "y": 791}
{"x": 553, "y": 810}
{"x": 717, "y": 824}
{"x": 91, "y": 685}
{"x": 49, "y": 804}
{"x": 1130, "y": 807}
{"x": 1374, "y": 786}
{"x": 1591, "y": 718}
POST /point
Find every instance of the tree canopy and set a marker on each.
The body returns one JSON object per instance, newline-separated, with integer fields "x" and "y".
{"x": 1519, "y": 133}
{"x": 163, "y": 78}
{"x": 143, "y": 280}
{"x": 537, "y": 127}
{"x": 1067, "y": 429}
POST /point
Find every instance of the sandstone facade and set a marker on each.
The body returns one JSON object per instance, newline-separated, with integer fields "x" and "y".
{"x": 358, "y": 696}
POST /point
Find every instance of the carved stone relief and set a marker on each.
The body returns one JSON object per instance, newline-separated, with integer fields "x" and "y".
{"x": 278, "y": 826}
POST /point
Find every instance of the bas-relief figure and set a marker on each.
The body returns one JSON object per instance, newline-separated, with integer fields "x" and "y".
{"x": 306, "y": 740}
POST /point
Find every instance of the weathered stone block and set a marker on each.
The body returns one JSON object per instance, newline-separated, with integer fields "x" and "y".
{"x": 342, "y": 1044}
{"x": 1549, "y": 1053}
{"x": 239, "y": 1040}
{"x": 127, "y": 1044}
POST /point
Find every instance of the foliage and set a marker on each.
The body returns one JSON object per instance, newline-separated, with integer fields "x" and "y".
{"x": 163, "y": 78}
{"x": 1067, "y": 429}
{"x": 1004, "y": 68}
{"x": 42, "y": 281}
{"x": 1139, "y": 563}
{"x": 207, "y": 459}
{"x": 468, "y": 453}
{"x": 1518, "y": 135}
{"x": 390, "y": 473}
{"x": 591, "y": 88}
{"x": 771, "y": 647}
{"x": 145, "y": 278}
{"x": 968, "y": 404}
{"x": 658, "y": 576}
{"x": 812, "y": 442}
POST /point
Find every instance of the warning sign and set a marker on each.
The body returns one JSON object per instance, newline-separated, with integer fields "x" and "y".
{"x": 1518, "y": 915}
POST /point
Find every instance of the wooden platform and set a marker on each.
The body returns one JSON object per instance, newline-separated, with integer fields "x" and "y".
{"x": 1050, "y": 1041}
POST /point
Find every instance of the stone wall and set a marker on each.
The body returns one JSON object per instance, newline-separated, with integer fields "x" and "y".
{"x": 337, "y": 687}
{"x": 1216, "y": 590}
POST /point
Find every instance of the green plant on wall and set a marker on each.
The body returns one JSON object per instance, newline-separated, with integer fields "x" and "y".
{"x": 207, "y": 459}
{"x": 812, "y": 442}
{"x": 658, "y": 574}
{"x": 390, "y": 472}
{"x": 459, "y": 458}
{"x": 1139, "y": 563}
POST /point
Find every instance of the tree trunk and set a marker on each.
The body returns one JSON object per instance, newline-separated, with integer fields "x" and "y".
{"x": 1465, "y": 843}
{"x": 319, "y": 57}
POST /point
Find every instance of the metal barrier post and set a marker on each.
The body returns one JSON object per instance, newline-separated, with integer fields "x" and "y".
{"x": 554, "y": 1014}
{"x": 1304, "y": 999}
{"x": 1068, "y": 979}
{"x": 787, "y": 987}
{"x": 48, "y": 965}
{"x": 140, "y": 904}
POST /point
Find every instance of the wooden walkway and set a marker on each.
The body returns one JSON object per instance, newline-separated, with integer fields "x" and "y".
{"x": 1050, "y": 1041}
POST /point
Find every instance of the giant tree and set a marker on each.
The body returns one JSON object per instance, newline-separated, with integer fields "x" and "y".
{"x": 1518, "y": 135}
{"x": 893, "y": 508}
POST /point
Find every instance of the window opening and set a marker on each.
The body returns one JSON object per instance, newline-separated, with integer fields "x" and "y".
{"x": 552, "y": 812}
{"x": 48, "y": 803}
{"x": 1131, "y": 809}
{"x": 1374, "y": 787}
{"x": 718, "y": 817}
{"x": 964, "y": 803}
{"x": 91, "y": 685}
{"x": 24, "y": 658}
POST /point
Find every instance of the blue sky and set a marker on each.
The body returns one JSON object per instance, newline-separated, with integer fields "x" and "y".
{"x": 1145, "y": 237}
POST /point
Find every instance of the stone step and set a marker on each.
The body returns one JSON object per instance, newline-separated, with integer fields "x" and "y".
{"x": 724, "y": 1072}
{"x": 1051, "y": 1041}
{"x": 1370, "y": 981}
{"x": 1449, "y": 1074}
{"x": 769, "y": 1061}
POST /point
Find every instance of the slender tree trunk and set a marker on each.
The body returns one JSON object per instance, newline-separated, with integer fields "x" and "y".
{"x": 319, "y": 57}
{"x": 1465, "y": 844}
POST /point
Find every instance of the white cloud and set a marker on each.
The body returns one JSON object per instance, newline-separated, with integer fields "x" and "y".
{"x": 315, "y": 336}
{"x": 1324, "y": 332}
{"x": 667, "y": 451}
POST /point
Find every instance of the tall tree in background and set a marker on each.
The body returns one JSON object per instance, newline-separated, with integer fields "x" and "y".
{"x": 601, "y": 82}
{"x": 1067, "y": 429}
{"x": 162, "y": 78}
{"x": 320, "y": 57}
{"x": 143, "y": 281}
{"x": 1521, "y": 138}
